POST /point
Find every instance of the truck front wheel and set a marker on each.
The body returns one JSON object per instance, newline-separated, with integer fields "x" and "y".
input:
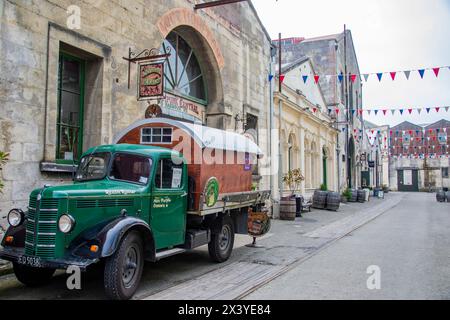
{"x": 221, "y": 243}
{"x": 32, "y": 277}
{"x": 123, "y": 270}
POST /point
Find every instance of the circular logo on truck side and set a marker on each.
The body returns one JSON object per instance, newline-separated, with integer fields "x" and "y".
{"x": 211, "y": 192}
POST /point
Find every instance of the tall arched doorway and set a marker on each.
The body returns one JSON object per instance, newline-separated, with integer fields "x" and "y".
{"x": 351, "y": 163}
{"x": 325, "y": 166}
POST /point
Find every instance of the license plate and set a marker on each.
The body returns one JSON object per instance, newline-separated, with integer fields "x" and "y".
{"x": 30, "y": 261}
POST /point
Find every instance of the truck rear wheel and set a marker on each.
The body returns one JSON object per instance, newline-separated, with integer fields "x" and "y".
{"x": 123, "y": 270}
{"x": 33, "y": 277}
{"x": 221, "y": 244}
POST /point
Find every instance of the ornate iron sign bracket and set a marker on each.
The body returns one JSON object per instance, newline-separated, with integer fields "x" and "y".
{"x": 144, "y": 55}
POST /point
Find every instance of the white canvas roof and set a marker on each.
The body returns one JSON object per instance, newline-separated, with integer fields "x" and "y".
{"x": 206, "y": 137}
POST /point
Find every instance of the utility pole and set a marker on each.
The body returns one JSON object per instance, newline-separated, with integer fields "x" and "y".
{"x": 280, "y": 115}
{"x": 347, "y": 155}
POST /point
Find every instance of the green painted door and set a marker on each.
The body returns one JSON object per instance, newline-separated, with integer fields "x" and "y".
{"x": 168, "y": 203}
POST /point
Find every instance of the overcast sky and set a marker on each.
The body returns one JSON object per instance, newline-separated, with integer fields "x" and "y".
{"x": 389, "y": 35}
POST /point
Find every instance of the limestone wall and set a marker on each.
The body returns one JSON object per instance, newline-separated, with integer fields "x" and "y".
{"x": 234, "y": 54}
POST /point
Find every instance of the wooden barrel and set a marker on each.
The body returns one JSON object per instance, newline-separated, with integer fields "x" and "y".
{"x": 361, "y": 195}
{"x": 440, "y": 196}
{"x": 320, "y": 199}
{"x": 354, "y": 197}
{"x": 287, "y": 209}
{"x": 333, "y": 201}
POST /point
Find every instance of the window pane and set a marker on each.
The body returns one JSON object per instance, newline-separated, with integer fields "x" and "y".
{"x": 186, "y": 69}
{"x": 167, "y": 131}
{"x": 70, "y": 108}
{"x": 130, "y": 168}
{"x": 71, "y": 76}
{"x": 156, "y": 131}
{"x": 156, "y": 139}
{"x": 93, "y": 167}
{"x": 167, "y": 139}
{"x": 68, "y": 143}
{"x": 168, "y": 175}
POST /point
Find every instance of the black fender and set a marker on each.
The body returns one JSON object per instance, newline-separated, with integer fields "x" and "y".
{"x": 108, "y": 235}
{"x": 18, "y": 233}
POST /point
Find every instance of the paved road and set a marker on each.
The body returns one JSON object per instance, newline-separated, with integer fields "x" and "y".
{"x": 287, "y": 242}
{"x": 410, "y": 243}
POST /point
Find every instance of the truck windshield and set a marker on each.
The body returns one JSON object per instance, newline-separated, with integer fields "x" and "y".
{"x": 93, "y": 167}
{"x": 130, "y": 168}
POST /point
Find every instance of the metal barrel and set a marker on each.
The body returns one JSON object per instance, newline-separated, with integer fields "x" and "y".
{"x": 441, "y": 196}
{"x": 361, "y": 195}
{"x": 447, "y": 195}
{"x": 320, "y": 199}
{"x": 354, "y": 197}
{"x": 333, "y": 201}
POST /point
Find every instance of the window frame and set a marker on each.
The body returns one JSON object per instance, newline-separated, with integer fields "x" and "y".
{"x": 63, "y": 55}
{"x": 168, "y": 189}
{"x": 151, "y": 135}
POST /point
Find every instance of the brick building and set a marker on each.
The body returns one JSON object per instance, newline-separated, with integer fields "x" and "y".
{"x": 419, "y": 156}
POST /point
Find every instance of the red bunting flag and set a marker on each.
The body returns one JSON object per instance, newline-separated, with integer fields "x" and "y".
{"x": 437, "y": 109}
{"x": 360, "y": 111}
{"x": 436, "y": 71}
{"x": 384, "y": 111}
{"x": 337, "y": 110}
{"x": 282, "y": 76}
{"x": 316, "y": 78}
{"x": 393, "y": 74}
{"x": 353, "y": 78}
{"x": 410, "y": 111}
{"x": 314, "y": 110}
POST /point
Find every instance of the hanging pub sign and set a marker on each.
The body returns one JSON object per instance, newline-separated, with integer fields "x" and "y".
{"x": 150, "y": 80}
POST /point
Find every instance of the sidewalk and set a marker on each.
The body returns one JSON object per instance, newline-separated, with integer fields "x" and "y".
{"x": 288, "y": 244}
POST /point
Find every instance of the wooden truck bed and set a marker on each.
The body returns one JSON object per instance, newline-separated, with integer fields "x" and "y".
{"x": 230, "y": 201}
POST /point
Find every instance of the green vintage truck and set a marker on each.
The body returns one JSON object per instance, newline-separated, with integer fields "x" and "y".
{"x": 128, "y": 204}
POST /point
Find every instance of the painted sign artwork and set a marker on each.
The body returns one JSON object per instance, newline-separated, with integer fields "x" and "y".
{"x": 151, "y": 81}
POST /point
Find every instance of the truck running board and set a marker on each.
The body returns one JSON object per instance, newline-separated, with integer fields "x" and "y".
{"x": 168, "y": 253}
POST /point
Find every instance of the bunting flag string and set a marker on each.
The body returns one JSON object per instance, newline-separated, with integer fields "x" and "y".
{"x": 393, "y": 111}
{"x": 365, "y": 76}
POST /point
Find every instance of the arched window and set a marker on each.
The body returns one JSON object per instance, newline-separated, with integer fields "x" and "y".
{"x": 183, "y": 75}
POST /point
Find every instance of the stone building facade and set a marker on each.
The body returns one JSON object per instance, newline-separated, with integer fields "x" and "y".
{"x": 64, "y": 82}
{"x": 419, "y": 156}
{"x": 307, "y": 138}
{"x": 332, "y": 60}
{"x": 377, "y": 153}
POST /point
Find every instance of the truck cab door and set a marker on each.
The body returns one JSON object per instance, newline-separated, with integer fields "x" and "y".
{"x": 168, "y": 203}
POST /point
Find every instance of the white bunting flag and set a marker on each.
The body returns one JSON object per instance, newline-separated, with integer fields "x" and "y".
{"x": 407, "y": 74}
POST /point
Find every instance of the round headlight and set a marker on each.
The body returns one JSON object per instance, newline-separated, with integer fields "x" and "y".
{"x": 15, "y": 217}
{"x": 66, "y": 223}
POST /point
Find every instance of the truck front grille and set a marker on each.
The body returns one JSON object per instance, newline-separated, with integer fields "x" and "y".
{"x": 41, "y": 227}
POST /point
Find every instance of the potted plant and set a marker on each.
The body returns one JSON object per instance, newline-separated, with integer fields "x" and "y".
{"x": 288, "y": 207}
{"x": 323, "y": 187}
{"x": 346, "y": 195}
